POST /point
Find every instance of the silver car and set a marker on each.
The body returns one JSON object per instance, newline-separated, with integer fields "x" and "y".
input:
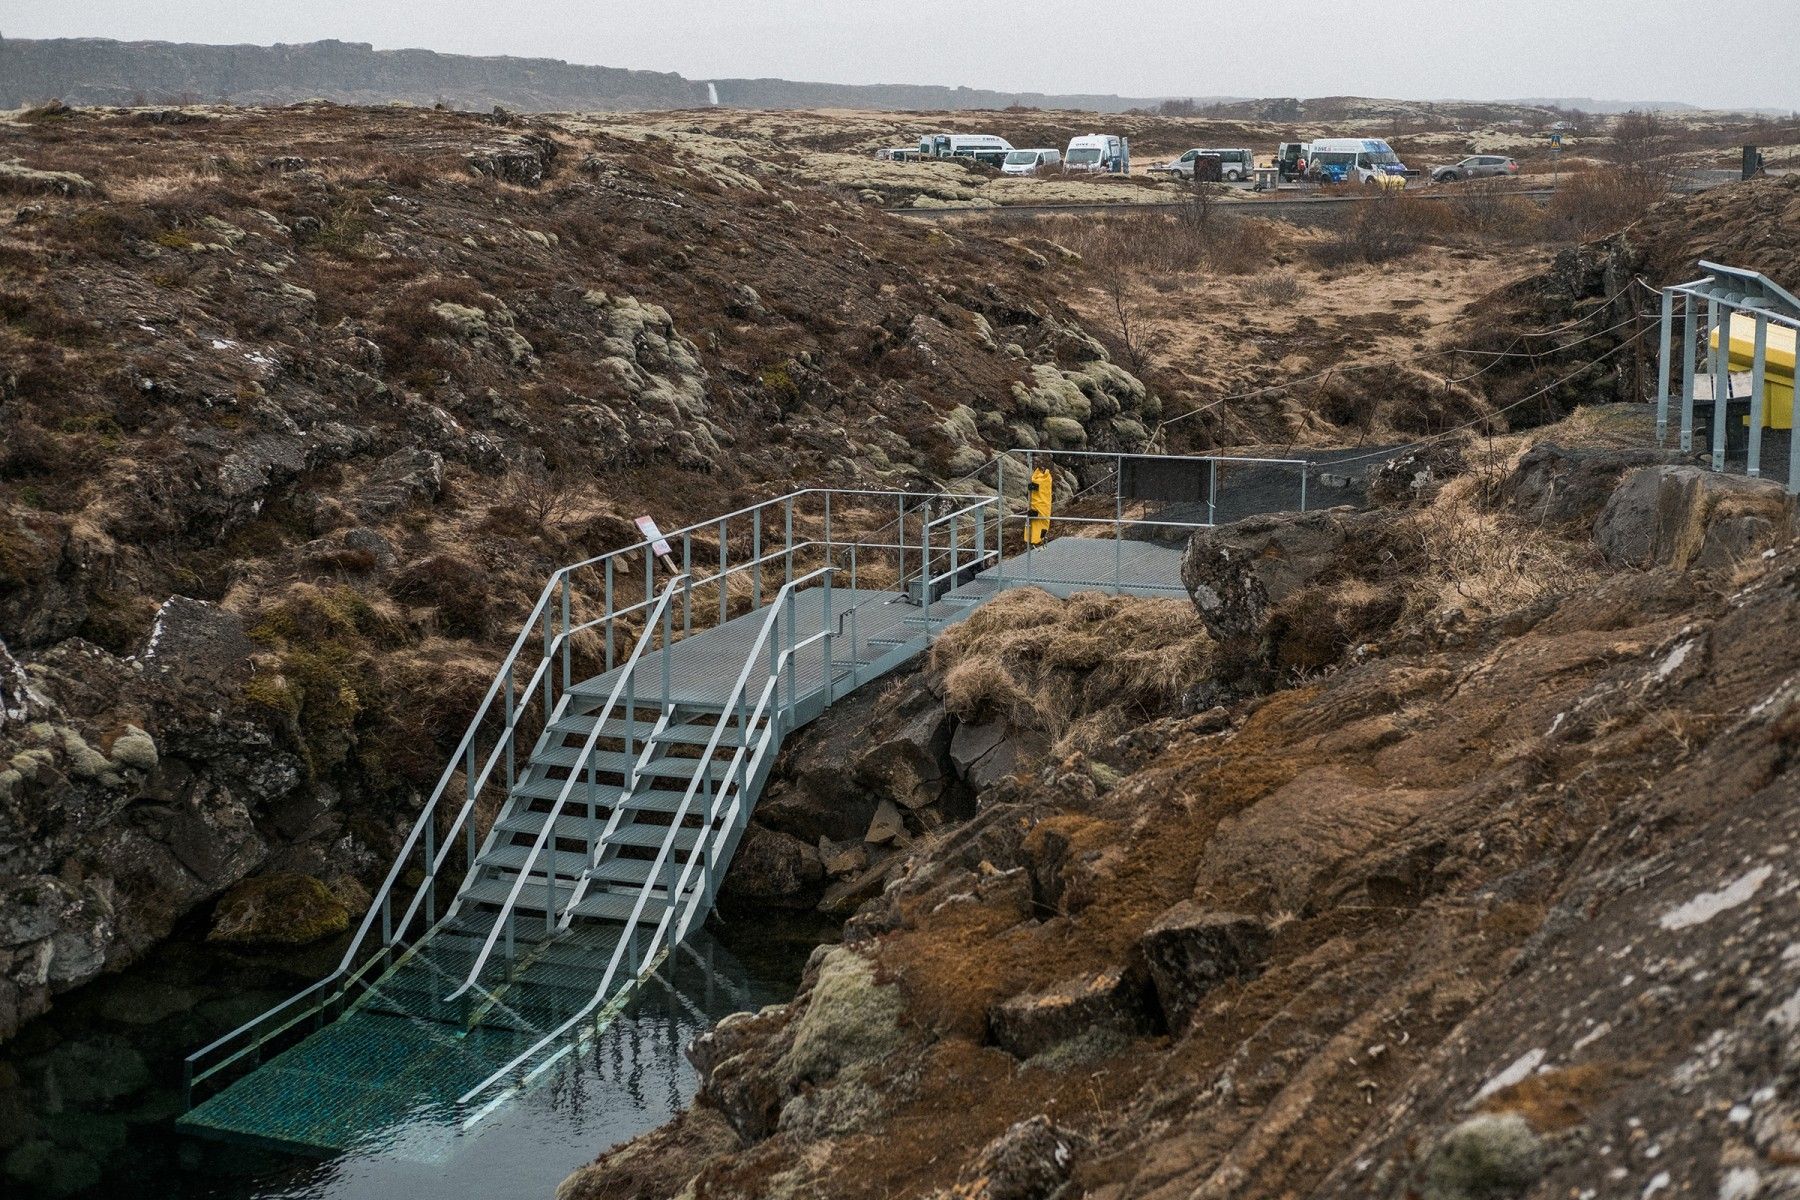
{"x": 1476, "y": 166}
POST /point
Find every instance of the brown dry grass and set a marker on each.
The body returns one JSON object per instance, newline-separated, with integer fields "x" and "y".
{"x": 1079, "y": 671}
{"x": 1480, "y": 557}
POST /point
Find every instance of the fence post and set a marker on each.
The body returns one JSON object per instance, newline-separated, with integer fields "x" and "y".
{"x": 1690, "y": 320}
{"x": 1664, "y": 366}
{"x": 1758, "y": 373}
{"x": 1118, "y": 523}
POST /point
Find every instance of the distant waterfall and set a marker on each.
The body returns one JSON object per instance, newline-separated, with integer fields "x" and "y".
{"x": 712, "y": 94}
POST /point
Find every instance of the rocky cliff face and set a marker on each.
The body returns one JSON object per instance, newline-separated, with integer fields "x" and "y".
{"x": 302, "y": 406}
{"x": 1474, "y": 882}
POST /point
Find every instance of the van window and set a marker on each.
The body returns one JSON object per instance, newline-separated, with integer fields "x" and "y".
{"x": 1083, "y": 155}
{"x": 1019, "y": 158}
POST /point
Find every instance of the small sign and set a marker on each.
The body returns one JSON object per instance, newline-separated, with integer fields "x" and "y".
{"x": 1556, "y": 141}
{"x": 653, "y": 535}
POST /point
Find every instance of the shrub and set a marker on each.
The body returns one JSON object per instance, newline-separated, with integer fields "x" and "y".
{"x": 1280, "y": 287}
{"x": 455, "y": 588}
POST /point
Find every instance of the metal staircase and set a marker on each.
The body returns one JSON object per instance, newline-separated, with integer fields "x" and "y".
{"x": 584, "y": 822}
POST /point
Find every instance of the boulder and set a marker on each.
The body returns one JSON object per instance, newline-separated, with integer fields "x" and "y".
{"x": 1692, "y": 519}
{"x": 908, "y": 768}
{"x": 1242, "y": 575}
{"x": 1190, "y": 950}
{"x": 1030, "y": 1161}
{"x": 1415, "y": 474}
{"x": 1561, "y": 485}
{"x": 402, "y": 479}
{"x": 774, "y": 868}
{"x": 282, "y": 908}
{"x": 984, "y": 754}
{"x": 851, "y": 1019}
{"x": 195, "y": 643}
{"x": 1031, "y": 1023}
{"x": 886, "y": 826}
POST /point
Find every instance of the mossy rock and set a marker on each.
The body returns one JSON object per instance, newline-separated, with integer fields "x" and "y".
{"x": 1485, "y": 1158}
{"x": 850, "y": 1020}
{"x": 282, "y": 908}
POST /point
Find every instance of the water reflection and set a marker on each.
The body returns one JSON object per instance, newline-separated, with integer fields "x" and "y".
{"x": 112, "y": 1134}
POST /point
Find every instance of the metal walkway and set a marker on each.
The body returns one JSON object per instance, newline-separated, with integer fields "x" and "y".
{"x": 584, "y": 822}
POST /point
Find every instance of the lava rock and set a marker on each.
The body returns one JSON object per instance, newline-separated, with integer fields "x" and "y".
{"x": 282, "y": 908}
{"x": 1030, "y": 1161}
{"x": 1190, "y": 950}
{"x": 1692, "y": 519}
{"x": 1031, "y": 1023}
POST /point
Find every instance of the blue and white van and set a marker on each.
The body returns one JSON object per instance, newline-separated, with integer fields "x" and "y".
{"x": 1355, "y": 160}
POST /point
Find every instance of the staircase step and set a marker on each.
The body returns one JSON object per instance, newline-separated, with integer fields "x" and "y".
{"x": 685, "y": 734}
{"x": 567, "y": 863}
{"x": 574, "y": 821}
{"x": 616, "y": 763}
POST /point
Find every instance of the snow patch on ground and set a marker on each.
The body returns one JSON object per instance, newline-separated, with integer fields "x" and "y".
{"x": 1521, "y": 1067}
{"x": 1707, "y": 905}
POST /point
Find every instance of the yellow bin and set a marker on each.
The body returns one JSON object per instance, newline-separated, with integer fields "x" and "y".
{"x": 1778, "y": 368}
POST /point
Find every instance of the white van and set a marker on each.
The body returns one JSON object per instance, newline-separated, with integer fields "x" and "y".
{"x": 1098, "y": 153}
{"x": 1235, "y": 165}
{"x": 1356, "y": 160}
{"x": 979, "y": 146}
{"x": 1030, "y": 162}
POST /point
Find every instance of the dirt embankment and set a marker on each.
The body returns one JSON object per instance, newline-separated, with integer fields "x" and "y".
{"x": 1480, "y": 888}
{"x": 302, "y": 406}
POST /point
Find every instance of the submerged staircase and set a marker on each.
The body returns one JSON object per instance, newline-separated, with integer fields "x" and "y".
{"x": 582, "y": 826}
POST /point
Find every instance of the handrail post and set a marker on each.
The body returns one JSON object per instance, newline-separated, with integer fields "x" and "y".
{"x": 900, "y": 542}
{"x": 549, "y": 645}
{"x": 756, "y": 567}
{"x": 1118, "y": 523}
{"x": 566, "y": 637}
{"x": 687, "y": 587}
{"x": 828, "y": 542}
{"x": 1303, "y": 472}
{"x": 788, "y": 549}
{"x": 1758, "y": 377}
{"x": 723, "y": 579}
{"x": 469, "y": 773}
{"x": 609, "y": 612}
{"x": 793, "y": 654}
{"x": 1690, "y": 321}
{"x": 512, "y": 744}
{"x": 855, "y": 652}
{"x": 430, "y": 835}
{"x": 1718, "y": 362}
{"x": 1212, "y": 491}
{"x": 1664, "y": 365}
{"x": 663, "y": 657}
{"x": 826, "y": 626}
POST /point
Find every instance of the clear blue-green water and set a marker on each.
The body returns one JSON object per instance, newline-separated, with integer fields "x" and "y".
{"x": 90, "y": 1093}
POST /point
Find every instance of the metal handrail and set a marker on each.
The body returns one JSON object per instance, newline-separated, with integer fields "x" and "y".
{"x": 427, "y": 815}
{"x": 547, "y": 832}
{"x": 628, "y": 936}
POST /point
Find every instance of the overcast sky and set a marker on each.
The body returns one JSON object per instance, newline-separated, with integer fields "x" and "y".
{"x": 1426, "y": 49}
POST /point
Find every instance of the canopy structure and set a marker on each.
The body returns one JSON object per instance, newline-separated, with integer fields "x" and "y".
{"x": 1751, "y": 324}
